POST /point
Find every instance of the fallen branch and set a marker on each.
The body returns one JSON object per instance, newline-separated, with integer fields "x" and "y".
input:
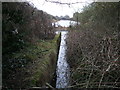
{"x": 49, "y": 85}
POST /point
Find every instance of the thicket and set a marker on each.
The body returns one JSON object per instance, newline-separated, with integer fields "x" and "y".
{"x": 93, "y": 46}
{"x": 23, "y": 27}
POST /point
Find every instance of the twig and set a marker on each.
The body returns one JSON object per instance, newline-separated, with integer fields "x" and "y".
{"x": 90, "y": 76}
{"x": 76, "y": 85}
{"x": 49, "y": 85}
{"x": 101, "y": 79}
{"x": 57, "y": 2}
{"x": 109, "y": 86}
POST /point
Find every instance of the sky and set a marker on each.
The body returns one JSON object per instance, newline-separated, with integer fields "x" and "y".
{"x": 60, "y": 10}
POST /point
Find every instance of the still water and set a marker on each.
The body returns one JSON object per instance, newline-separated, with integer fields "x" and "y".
{"x": 62, "y": 70}
{"x": 65, "y": 23}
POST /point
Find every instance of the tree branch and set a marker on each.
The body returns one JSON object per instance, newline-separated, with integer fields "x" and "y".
{"x": 57, "y": 2}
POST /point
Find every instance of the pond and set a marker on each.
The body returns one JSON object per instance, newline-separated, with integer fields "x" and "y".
{"x": 65, "y": 23}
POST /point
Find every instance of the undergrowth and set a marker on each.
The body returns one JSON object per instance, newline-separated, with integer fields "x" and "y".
{"x": 93, "y": 47}
{"x": 38, "y": 66}
{"x": 94, "y": 61}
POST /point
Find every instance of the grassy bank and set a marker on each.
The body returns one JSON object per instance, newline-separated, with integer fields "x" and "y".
{"x": 29, "y": 46}
{"x": 40, "y": 70}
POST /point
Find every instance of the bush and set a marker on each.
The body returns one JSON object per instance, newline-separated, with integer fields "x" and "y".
{"x": 93, "y": 48}
{"x": 22, "y": 26}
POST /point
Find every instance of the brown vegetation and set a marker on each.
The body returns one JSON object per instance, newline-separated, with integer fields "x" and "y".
{"x": 94, "y": 55}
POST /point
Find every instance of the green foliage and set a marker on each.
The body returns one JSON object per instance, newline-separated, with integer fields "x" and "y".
{"x": 23, "y": 27}
{"x": 100, "y": 17}
{"x": 33, "y": 66}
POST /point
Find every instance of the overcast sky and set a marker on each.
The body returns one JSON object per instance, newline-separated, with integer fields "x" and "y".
{"x": 57, "y": 9}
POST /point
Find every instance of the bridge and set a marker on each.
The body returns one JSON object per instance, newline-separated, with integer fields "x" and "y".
{"x": 61, "y": 28}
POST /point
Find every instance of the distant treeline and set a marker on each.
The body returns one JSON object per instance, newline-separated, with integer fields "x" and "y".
{"x": 66, "y": 17}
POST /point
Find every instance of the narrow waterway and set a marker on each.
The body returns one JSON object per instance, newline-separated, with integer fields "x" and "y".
{"x": 62, "y": 70}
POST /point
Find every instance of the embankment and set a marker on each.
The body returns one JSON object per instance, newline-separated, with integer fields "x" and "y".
{"x": 30, "y": 47}
{"x": 41, "y": 68}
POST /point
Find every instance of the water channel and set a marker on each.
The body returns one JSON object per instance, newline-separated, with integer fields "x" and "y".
{"x": 62, "y": 70}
